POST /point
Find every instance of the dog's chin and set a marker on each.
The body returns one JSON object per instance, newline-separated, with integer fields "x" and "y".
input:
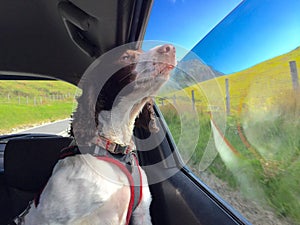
{"x": 165, "y": 72}
{"x": 157, "y": 72}
{"x": 152, "y": 82}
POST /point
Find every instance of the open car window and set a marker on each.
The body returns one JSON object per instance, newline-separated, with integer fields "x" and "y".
{"x": 232, "y": 106}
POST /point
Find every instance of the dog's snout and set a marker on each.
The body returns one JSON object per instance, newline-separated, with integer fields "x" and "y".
{"x": 166, "y": 49}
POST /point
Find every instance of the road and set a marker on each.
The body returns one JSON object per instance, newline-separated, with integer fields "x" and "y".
{"x": 59, "y": 127}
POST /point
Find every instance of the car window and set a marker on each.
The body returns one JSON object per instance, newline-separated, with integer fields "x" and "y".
{"x": 27, "y": 106}
{"x": 233, "y": 108}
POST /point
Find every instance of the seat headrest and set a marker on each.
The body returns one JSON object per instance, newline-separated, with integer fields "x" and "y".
{"x": 28, "y": 163}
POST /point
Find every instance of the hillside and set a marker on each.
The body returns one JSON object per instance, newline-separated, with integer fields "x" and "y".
{"x": 34, "y": 88}
{"x": 27, "y": 103}
{"x": 188, "y": 72}
{"x": 259, "y": 85}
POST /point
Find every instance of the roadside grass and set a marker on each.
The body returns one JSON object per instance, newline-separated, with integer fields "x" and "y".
{"x": 19, "y": 116}
{"x": 267, "y": 111}
{"x": 274, "y": 181}
{"x": 275, "y": 134}
{"x": 192, "y": 157}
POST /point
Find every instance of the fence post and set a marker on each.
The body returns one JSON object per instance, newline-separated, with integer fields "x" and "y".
{"x": 227, "y": 97}
{"x": 162, "y": 101}
{"x": 193, "y": 99}
{"x": 174, "y": 99}
{"x": 294, "y": 74}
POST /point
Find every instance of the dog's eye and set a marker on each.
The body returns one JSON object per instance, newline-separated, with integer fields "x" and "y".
{"x": 125, "y": 58}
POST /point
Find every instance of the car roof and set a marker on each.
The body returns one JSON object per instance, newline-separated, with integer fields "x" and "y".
{"x": 60, "y": 39}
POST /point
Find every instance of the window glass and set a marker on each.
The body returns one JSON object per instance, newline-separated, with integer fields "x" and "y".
{"x": 233, "y": 108}
{"x": 26, "y": 105}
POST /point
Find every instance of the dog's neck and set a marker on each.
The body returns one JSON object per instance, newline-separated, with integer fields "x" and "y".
{"x": 118, "y": 123}
{"x": 150, "y": 72}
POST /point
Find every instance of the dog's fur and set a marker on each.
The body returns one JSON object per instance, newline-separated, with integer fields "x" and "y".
{"x": 83, "y": 189}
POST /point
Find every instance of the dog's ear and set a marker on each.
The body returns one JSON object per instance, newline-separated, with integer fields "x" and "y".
{"x": 147, "y": 118}
{"x": 84, "y": 125}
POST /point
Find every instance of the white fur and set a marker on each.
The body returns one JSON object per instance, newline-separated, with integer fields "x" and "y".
{"x": 85, "y": 190}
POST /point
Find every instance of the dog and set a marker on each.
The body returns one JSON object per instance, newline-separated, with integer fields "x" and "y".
{"x": 87, "y": 188}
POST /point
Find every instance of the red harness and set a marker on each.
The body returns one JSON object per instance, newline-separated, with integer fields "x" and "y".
{"x": 134, "y": 174}
{"x": 131, "y": 205}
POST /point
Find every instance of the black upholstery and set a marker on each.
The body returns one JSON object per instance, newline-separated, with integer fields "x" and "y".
{"x": 28, "y": 164}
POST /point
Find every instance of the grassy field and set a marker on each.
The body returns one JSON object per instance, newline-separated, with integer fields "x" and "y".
{"x": 35, "y": 88}
{"x": 263, "y": 127}
{"x": 23, "y": 103}
{"x": 258, "y": 86}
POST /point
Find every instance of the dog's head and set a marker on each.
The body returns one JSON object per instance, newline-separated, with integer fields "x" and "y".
{"x": 154, "y": 66}
{"x": 137, "y": 77}
{"x": 141, "y": 75}
{"x": 125, "y": 63}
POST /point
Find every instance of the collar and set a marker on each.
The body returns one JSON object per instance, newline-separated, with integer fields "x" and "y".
{"x": 113, "y": 147}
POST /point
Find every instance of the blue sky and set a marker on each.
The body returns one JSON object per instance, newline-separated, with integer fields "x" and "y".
{"x": 185, "y": 22}
{"x": 256, "y": 31}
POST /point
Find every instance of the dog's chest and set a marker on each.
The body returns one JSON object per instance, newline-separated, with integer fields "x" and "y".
{"x": 83, "y": 187}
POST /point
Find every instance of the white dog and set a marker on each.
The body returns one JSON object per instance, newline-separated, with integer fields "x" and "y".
{"x": 89, "y": 188}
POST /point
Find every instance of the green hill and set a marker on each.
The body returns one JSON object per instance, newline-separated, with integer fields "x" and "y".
{"x": 34, "y": 88}
{"x": 259, "y": 85}
{"x": 25, "y": 103}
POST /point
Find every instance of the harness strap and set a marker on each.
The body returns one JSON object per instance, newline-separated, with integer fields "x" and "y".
{"x": 131, "y": 182}
{"x": 137, "y": 199}
{"x": 129, "y": 165}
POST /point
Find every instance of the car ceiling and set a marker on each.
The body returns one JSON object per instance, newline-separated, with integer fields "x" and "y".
{"x": 60, "y": 39}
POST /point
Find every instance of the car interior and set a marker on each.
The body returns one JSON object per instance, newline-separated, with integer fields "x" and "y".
{"x": 59, "y": 39}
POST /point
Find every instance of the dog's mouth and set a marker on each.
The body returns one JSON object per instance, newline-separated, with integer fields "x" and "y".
{"x": 163, "y": 71}
{"x": 154, "y": 67}
{"x": 166, "y": 68}
{"x": 157, "y": 71}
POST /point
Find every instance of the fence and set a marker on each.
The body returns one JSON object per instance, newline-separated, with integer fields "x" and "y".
{"x": 229, "y": 98}
{"x": 34, "y": 100}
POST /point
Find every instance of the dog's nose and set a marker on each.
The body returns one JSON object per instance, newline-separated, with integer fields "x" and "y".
{"x": 166, "y": 49}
